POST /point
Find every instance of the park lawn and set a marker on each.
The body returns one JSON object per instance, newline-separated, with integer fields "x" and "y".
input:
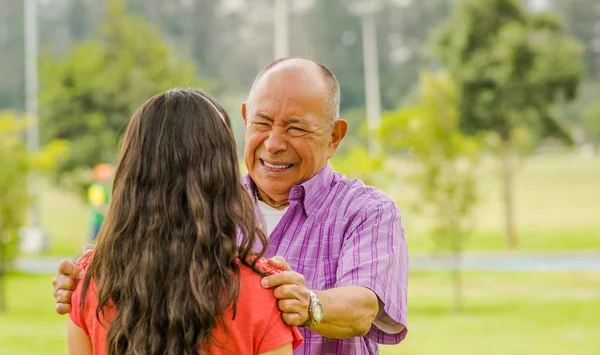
{"x": 557, "y": 205}
{"x": 66, "y": 218}
{"x": 504, "y": 313}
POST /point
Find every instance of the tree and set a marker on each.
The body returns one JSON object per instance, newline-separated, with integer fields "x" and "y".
{"x": 16, "y": 165}
{"x": 13, "y": 192}
{"x": 402, "y": 28}
{"x": 336, "y": 39}
{"x": 12, "y": 60}
{"x": 357, "y": 163}
{"x": 582, "y": 17}
{"x": 511, "y": 67}
{"x": 591, "y": 125}
{"x": 88, "y": 96}
{"x": 445, "y": 164}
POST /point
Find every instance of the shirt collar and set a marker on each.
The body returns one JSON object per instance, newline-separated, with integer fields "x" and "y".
{"x": 306, "y": 194}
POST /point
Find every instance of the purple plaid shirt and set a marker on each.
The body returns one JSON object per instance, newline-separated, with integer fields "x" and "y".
{"x": 339, "y": 232}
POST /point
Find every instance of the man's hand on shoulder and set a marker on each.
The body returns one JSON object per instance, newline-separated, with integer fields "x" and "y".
{"x": 289, "y": 287}
{"x": 65, "y": 282}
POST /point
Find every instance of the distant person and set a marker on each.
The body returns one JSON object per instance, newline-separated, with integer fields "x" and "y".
{"x": 174, "y": 270}
{"x": 98, "y": 195}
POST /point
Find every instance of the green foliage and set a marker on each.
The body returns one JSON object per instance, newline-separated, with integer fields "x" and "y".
{"x": 17, "y": 163}
{"x": 356, "y": 163}
{"x": 357, "y": 129}
{"x": 445, "y": 159}
{"x": 336, "y": 41}
{"x": 14, "y": 196}
{"x": 445, "y": 163}
{"x": 581, "y": 18}
{"x": 591, "y": 123}
{"x": 88, "y": 96}
{"x": 510, "y": 67}
{"x": 12, "y": 47}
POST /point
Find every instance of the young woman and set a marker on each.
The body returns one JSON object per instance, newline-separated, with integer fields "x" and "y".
{"x": 174, "y": 270}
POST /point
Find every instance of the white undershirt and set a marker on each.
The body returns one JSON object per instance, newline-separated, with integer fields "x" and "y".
{"x": 271, "y": 215}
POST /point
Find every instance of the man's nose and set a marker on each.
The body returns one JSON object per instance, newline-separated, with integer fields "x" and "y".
{"x": 276, "y": 142}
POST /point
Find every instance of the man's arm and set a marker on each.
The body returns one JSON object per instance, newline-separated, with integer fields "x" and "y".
{"x": 347, "y": 311}
{"x": 371, "y": 282}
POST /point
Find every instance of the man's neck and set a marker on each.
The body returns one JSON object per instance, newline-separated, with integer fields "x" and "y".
{"x": 279, "y": 205}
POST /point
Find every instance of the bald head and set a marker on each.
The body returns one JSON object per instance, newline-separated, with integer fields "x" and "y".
{"x": 311, "y": 69}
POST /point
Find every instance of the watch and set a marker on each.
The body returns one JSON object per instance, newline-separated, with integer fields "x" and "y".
{"x": 315, "y": 311}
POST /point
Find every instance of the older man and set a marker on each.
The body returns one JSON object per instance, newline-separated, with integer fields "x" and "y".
{"x": 340, "y": 241}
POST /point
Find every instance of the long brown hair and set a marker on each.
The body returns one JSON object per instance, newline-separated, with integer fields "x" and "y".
{"x": 178, "y": 222}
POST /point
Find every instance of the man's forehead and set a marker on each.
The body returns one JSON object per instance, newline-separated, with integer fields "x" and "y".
{"x": 287, "y": 74}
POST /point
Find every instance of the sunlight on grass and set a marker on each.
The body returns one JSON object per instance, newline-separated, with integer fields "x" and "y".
{"x": 66, "y": 217}
{"x": 557, "y": 205}
{"x": 505, "y": 313}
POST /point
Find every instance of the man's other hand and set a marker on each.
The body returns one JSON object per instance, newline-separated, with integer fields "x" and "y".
{"x": 290, "y": 290}
{"x": 65, "y": 282}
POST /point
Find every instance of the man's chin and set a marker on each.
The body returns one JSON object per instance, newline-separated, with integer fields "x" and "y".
{"x": 273, "y": 190}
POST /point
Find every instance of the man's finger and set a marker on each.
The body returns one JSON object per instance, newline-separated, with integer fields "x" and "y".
{"x": 291, "y": 305}
{"x": 62, "y": 308}
{"x": 87, "y": 248}
{"x": 293, "y": 319}
{"x": 287, "y": 291}
{"x": 280, "y": 263}
{"x": 68, "y": 267}
{"x": 64, "y": 282}
{"x": 286, "y": 277}
{"x": 63, "y": 296}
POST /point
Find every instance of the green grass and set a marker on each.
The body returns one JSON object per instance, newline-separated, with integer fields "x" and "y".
{"x": 557, "y": 205}
{"x": 504, "y": 313}
{"x": 66, "y": 217}
{"x": 30, "y": 325}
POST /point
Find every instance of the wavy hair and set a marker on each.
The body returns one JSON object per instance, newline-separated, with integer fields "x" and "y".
{"x": 179, "y": 221}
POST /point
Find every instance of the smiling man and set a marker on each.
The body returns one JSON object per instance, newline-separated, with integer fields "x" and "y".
{"x": 342, "y": 239}
{"x": 341, "y": 242}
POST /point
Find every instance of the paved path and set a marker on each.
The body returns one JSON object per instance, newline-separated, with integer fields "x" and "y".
{"x": 472, "y": 261}
{"x": 513, "y": 261}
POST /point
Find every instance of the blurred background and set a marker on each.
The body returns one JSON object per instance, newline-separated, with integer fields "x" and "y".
{"x": 480, "y": 118}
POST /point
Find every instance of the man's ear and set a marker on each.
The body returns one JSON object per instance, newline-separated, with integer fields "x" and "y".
{"x": 338, "y": 132}
{"x": 244, "y": 108}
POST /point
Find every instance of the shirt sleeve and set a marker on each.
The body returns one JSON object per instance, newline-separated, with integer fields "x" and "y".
{"x": 76, "y": 314}
{"x": 278, "y": 333}
{"x": 375, "y": 255}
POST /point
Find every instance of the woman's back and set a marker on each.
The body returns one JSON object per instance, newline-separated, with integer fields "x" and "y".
{"x": 169, "y": 250}
{"x": 257, "y": 327}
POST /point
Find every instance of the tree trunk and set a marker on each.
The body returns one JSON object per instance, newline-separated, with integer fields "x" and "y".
{"x": 507, "y": 185}
{"x": 456, "y": 275}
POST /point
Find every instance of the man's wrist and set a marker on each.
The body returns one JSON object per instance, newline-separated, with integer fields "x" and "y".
{"x": 315, "y": 311}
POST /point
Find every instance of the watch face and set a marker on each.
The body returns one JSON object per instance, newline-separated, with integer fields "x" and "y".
{"x": 318, "y": 312}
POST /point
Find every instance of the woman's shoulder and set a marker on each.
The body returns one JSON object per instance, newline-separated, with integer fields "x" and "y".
{"x": 251, "y": 290}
